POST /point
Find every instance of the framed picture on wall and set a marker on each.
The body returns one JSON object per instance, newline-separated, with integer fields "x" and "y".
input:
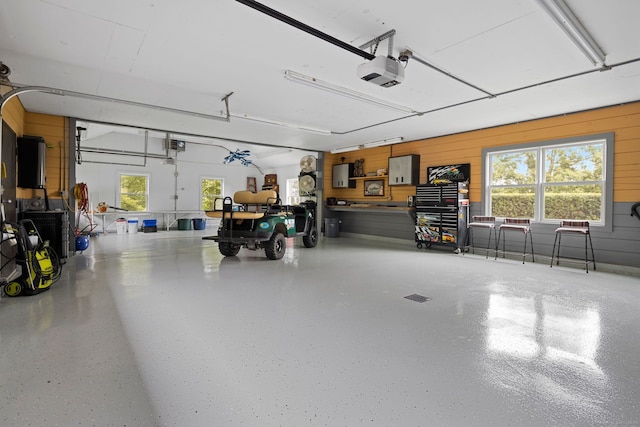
{"x": 374, "y": 187}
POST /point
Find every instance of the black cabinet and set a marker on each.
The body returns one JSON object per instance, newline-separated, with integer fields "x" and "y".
{"x": 53, "y": 226}
{"x": 441, "y": 214}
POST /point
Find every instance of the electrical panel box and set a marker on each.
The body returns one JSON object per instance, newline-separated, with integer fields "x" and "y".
{"x": 175, "y": 144}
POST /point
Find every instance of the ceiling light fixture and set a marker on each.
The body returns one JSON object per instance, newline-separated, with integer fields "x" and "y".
{"x": 282, "y": 124}
{"x": 382, "y": 142}
{"x": 343, "y": 91}
{"x": 345, "y": 149}
{"x": 273, "y": 153}
{"x": 573, "y": 28}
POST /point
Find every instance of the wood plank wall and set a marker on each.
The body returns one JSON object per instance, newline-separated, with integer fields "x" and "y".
{"x": 623, "y": 120}
{"x": 55, "y": 131}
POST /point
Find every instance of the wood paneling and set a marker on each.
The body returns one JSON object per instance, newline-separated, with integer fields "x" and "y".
{"x": 374, "y": 159}
{"x": 55, "y": 131}
{"x": 467, "y": 147}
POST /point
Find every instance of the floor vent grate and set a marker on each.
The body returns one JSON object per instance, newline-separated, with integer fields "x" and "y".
{"x": 417, "y": 298}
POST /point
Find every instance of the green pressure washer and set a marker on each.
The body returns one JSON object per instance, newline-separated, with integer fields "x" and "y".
{"x": 39, "y": 263}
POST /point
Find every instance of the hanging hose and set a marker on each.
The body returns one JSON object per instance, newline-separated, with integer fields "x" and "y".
{"x": 81, "y": 194}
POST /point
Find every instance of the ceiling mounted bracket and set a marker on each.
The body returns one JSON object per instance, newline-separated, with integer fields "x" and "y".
{"x": 373, "y": 43}
{"x": 226, "y": 104}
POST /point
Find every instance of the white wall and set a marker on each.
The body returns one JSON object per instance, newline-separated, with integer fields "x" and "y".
{"x": 196, "y": 162}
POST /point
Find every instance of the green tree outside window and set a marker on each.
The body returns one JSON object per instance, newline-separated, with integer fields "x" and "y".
{"x": 211, "y": 188}
{"x": 549, "y": 182}
{"x": 134, "y": 192}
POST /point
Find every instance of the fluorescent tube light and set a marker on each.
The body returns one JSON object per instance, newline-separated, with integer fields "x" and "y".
{"x": 279, "y": 123}
{"x": 273, "y": 153}
{"x": 339, "y": 90}
{"x": 570, "y": 24}
{"x": 382, "y": 142}
{"x": 345, "y": 149}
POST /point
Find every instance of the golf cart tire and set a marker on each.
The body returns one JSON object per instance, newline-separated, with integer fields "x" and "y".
{"x": 276, "y": 246}
{"x": 228, "y": 249}
{"x": 311, "y": 240}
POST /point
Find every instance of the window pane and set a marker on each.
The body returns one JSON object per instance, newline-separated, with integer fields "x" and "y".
{"x": 293, "y": 191}
{"x": 135, "y": 203}
{"x": 211, "y": 189}
{"x": 579, "y": 202}
{"x": 513, "y": 202}
{"x": 574, "y": 164}
{"x": 550, "y": 181}
{"x": 211, "y": 186}
{"x": 133, "y": 184}
{"x": 133, "y": 192}
{"x": 513, "y": 168}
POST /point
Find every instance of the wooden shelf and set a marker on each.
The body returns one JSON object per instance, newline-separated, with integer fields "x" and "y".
{"x": 358, "y": 178}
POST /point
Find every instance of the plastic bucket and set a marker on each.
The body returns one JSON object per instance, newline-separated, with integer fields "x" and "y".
{"x": 121, "y": 226}
{"x": 184, "y": 224}
{"x": 133, "y": 225}
{"x": 331, "y": 227}
{"x": 199, "y": 223}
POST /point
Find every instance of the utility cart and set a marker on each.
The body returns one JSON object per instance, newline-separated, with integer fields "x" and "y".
{"x": 259, "y": 221}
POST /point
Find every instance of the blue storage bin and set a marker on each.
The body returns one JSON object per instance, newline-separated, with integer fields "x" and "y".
{"x": 149, "y": 223}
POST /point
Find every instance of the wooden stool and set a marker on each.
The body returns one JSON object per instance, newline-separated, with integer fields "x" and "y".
{"x": 484, "y": 222}
{"x": 575, "y": 228}
{"x": 522, "y": 225}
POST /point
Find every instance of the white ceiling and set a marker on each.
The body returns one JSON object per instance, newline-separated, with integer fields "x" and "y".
{"x": 188, "y": 55}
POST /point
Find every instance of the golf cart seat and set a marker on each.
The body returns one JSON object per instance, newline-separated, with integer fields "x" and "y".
{"x": 248, "y": 205}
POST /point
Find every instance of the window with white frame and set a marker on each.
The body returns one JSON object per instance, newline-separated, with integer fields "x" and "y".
{"x": 551, "y": 181}
{"x": 210, "y": 190}
{"x": 293, "y": 191}
{"x": 134, "y": 192}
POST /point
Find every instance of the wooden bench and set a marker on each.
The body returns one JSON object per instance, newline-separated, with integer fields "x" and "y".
{"x": 250, "y": 205}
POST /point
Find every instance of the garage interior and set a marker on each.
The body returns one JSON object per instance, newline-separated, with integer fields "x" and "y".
{"x": 160, "y": 328}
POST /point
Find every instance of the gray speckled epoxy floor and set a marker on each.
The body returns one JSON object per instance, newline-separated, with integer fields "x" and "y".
{"x": 159, "y": 329}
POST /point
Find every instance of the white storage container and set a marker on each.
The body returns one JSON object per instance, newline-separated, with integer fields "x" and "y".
{"x": 133, "y": 225}
{"x": 121, "y": 226}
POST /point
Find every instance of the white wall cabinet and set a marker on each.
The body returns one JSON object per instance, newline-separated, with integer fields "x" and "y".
{"x": 341, "y": 174}
{"x": 404, "y": 170}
